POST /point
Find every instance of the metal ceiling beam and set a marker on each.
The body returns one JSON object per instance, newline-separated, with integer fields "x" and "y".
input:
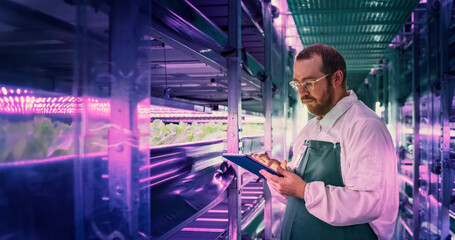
{"x": 363, "y": 56}
{"x": 363, "y": 60}
{"x": 306, "y": 11}
{"x": 344, "y": 24}
{"x": 362, "y": 51}
{"x": 338, "y": 43}
{"x": 358, "y": 66}
{"x": 354, "y": 48}
{"x": 335, "y": 34}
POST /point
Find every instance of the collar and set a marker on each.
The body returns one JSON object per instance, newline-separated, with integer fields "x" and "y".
{"x": 327, "y": 122}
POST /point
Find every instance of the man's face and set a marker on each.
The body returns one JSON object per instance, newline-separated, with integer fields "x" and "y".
{"x": 320, "y": 99}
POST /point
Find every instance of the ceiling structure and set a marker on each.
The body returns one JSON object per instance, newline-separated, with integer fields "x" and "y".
{"x": 361, "y": 30}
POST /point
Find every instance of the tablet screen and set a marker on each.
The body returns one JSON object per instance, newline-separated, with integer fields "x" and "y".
{"x": 249, "y": 163}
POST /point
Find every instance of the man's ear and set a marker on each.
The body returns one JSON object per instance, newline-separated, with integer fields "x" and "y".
{"x": 338, "y": 77}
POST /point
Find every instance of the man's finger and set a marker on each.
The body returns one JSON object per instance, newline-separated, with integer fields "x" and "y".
{"x": 283, "y": 172}
{"x": 269, "y": 176}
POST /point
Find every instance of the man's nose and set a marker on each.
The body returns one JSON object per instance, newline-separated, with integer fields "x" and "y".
{"x": 303, "y": 91}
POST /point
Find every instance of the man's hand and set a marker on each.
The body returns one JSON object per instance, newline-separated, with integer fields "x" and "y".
{"x": 272, "y": 163}
{"x": 290, "y": 185}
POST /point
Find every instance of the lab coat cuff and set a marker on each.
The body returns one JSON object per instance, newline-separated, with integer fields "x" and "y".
{"x": 313, "y": 191}
{"x": 308, "y": 197}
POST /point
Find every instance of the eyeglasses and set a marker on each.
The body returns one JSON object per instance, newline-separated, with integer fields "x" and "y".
{"x": 308, "y": 85}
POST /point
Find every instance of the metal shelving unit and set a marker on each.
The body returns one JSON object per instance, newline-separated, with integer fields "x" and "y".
{"x": 211, "y": 62}
{"x": 425, "y": 123}
{"x": 175, "y": 54}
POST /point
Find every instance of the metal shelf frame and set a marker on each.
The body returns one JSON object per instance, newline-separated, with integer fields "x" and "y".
{"x": 431, "y": 98}
{"x": 127, "y": 41}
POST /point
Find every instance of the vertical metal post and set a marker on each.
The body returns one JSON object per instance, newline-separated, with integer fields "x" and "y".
{"x": 284, "y": 83}
{"x": 267, "y": 104}
{"x": 387, "y": 89}
{"x": 79, "y": 83}
{"x": 446, "y": 108}
{"x": 416, "y": 121}
{"x": 234, "y": 113}
{"x": 124, "y": 156}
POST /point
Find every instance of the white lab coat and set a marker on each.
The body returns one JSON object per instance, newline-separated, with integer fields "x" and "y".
{"x": 368, "y": 167}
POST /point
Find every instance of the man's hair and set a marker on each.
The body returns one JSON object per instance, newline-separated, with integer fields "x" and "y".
{"x": 331, "y": 58}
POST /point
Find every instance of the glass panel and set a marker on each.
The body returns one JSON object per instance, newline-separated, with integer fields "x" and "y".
{"x": 74, "y": 120}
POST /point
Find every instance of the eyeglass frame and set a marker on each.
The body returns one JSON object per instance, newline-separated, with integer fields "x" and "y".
{"x": 295, "y": 85}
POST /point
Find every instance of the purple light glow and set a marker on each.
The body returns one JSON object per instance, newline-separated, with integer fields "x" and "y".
{"x": 214, "y": 230}
{"x": 253, "y": 188}
{"x": 249, "y": 197}
{"x": 158, "y": 164}
{"x": 158, "y": 176}
{"x": 161, "y": 181}
{"x": 51, "y": 159}
{"x": 162, "y": 156}
{"x": 167, "y": 112}
{"x": 407, "y": 180}
{"x": 212, "y": 220}
{"x": 178, "y": 115}
{"x": 217, "y": 211}
{"x": 21, "y": 101}
{"x": 253, "y": 192}
{"x": 406, "y": 227}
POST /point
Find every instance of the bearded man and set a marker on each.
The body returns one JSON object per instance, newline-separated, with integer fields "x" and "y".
{"x": 342, "y": 181}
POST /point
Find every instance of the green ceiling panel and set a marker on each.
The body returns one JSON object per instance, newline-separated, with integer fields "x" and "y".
{"x": 360, "y": 29}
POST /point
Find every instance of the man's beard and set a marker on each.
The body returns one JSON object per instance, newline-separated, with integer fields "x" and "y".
{"x": 325, "y": 103}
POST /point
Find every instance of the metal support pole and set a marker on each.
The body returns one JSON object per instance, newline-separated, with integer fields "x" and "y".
{"x": 234, "y": 113}
{"x": 130, "y": 101}
{"x": 284, "y": 83}
{"x": 267, "y": 104}
{"x": 81, "y": 75}
{"x": 387, "y": 88}
{"x": 416, "y": 121}
{"x": 267, "y": 93}
{"x": 446, "y": 108}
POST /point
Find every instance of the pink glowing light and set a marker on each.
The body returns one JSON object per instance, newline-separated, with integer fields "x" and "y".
{"x": 218, "y": 211}
{"x": 249, "y": 197}
{"x": 21, "y": 101}
{"x": 212, "y": 220}
{"x": 159, "y": 163}
{"x": 213, "y": 230}
{"x": 158, "y": 176}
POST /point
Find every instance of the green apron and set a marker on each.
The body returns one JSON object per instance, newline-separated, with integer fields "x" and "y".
{"x": 321, "y": 162}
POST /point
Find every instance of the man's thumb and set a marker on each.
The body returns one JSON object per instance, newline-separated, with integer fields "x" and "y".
{"x": 284, "y": 164}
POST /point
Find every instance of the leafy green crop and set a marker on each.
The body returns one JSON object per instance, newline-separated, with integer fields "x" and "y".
{"x": 35, "y": 139}
{"x": 171, "y": 133}
{"x": 42, "y": 138}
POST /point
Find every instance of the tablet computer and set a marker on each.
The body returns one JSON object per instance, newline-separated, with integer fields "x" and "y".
{"x": 249, "y": 163}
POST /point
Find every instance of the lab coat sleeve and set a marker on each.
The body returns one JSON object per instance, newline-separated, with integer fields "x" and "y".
{"x": 368, "y": 145}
